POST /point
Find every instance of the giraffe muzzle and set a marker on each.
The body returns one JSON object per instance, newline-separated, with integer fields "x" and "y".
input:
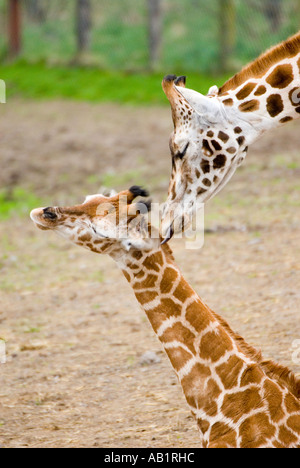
{"x": 42, "y": 218}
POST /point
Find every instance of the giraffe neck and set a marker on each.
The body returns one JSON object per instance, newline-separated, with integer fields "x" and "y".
{"x": 232, "y": 398}
{"x": 220, "y": 381}
{"x": 261, "y": 103}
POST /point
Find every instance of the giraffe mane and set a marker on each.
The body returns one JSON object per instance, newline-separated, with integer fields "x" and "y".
{"x": 273, "y": 370}
{"x": 258, "y": 67}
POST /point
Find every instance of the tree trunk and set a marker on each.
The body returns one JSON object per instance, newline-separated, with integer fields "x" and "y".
{"x": 83, "y": 25}
{"x": 227, "y": 26}
{"x": 155, "y": 31}
{"x": 14, "y": 27}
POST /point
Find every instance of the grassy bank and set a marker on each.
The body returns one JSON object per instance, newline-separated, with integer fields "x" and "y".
{"x": 40, "y": 81}
{"x": 17, "y": 202}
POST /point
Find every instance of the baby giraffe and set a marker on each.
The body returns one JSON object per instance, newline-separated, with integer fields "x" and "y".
{"x": 237, "y": 398}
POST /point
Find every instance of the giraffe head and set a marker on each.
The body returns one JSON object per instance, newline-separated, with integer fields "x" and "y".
{"x": 112, "y": 225}
{"x": 212, "y": 133}
{"x": 207, "y": 145}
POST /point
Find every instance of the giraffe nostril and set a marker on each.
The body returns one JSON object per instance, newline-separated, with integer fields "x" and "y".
{"x": 49, "y": 214}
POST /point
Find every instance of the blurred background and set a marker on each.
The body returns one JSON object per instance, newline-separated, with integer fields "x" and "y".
{"x": 85, "y": 110}
{"x": 196, "y": 35}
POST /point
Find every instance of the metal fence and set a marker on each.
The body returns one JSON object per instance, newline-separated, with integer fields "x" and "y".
{"x": 197, "y": 35}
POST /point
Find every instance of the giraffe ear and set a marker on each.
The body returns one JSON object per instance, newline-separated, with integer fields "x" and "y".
{"x": 108, "y": 193}
{"x": 89, "y": 198}
{"x": 205, "y": 106}
{"x": 213, "y": 91}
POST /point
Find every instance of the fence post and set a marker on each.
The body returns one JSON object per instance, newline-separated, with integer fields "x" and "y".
{"x": 273, "y": 13}
{"x": 155, "y": 31}
{"x": 227, "y": 28}
{"x": 83, "y": 24}
{"x": 14, "y": 27}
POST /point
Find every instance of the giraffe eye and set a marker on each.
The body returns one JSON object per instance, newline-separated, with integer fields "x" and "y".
{"x": 181, "y": 154}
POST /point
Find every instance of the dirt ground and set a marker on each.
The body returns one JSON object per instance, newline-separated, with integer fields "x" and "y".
{"x": 75, "y": 336}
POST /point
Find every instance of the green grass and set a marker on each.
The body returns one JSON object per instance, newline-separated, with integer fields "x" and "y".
{"x": 40, "y": 81}
{"x": 17, "y": 202}
{"x": 285, "y": 161}
{"x": 111, "y": 180}
{"x": 33, "y": 330}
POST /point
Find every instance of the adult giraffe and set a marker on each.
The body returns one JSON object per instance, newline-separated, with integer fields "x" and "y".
{"x": 212, "y": 133}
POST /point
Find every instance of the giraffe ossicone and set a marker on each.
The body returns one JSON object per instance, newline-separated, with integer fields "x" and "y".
{"x": 212, "y": 133}
{"x": 238, "y": 398}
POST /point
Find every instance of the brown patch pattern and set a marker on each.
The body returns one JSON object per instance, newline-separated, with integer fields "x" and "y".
{"x": 216, "y": 145}
{"x": 256, "y": 430}
{"x": 273, "y": 396}
{"x": 274, "y": 105}
{"x": 226, "y": 437}
{"x": 178, "y": 356}
{"x": 260, "y": 90}
{"x": 166, "y": 309}
{"x": 281, "y": 76}
{"x": 206, "y": 148}
{"x": 228, "y": 102}
{"x": 223, "y": 136}
{"x": 198, "y": 321}
{"x": 219, "y": 161}
{"x": 229, "y": 371}
{"x": 168, "y": 278}
{"x": 240, "y": 140}
{"x": 205, "y": 166}
{"x": 214, "y": 344}
{"x": 182, "y": 334}
{"x": 286, "y": 119}
{"x": 206, "y": 182}
{"x": 249, "y": 106}
{"x": 194, "y": 384}
{"x": 286, "y": 436}
{"x": 245, "y": 91}
{"x": 240, "y": 403}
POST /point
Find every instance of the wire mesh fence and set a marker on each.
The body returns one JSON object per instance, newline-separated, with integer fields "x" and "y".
{"x": 141, "y": 34}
